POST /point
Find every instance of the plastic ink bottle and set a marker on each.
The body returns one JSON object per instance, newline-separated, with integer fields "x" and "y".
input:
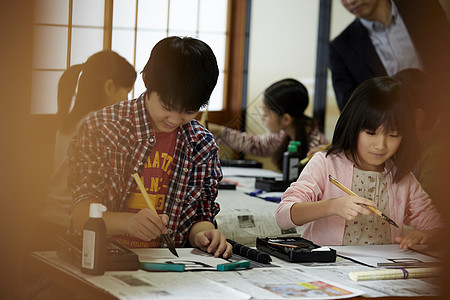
{"x": 93, "y": 259}
{"x": 291, "y": 162}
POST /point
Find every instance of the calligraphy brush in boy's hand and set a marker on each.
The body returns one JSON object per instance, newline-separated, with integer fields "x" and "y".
{"x": 166, "y": 238}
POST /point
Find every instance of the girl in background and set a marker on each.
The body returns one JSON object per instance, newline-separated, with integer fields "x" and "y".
{"x": 373, "y": 151}
{"x": 284, "y": 105}
{"x": 104, "y": 79}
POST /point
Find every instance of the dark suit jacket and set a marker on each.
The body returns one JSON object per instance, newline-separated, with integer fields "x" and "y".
{"x": 353, "y": 58}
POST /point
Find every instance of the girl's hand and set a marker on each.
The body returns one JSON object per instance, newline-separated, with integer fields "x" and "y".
{"x": 213, "y": 241}
{"x": 415, "y": 237}
{"x": 147, "y": 225}
{"x": 349, "y": 207}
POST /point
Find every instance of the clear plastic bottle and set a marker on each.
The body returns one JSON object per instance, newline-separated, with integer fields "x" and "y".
{"x": 291, "y": 162}
{"x": 93, "y": 259}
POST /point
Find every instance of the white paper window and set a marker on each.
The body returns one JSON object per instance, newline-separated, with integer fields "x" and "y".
{"x": 44, "y": 87}
{"x": 51, "y": 11}
{"x": 85, "y": 42}
{"x": 88, "y": 12}
{"x": 49, "y": 57}
{"x": 136, "y": 27}
{"x": 183, "y": 15}
{"x": 213, "y": 16}
{"x": 153, "y": 14}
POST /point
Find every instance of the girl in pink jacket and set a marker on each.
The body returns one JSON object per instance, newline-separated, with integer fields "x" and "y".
{"x": 373, "y": 151}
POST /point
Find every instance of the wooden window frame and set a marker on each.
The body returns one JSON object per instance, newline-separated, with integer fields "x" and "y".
{"x": 234, "y": 64}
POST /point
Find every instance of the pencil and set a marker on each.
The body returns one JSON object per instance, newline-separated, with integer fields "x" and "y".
{"x": 348, "y": 191}
{"x": 152, "y": 207}
{"x": 306, "y": 159}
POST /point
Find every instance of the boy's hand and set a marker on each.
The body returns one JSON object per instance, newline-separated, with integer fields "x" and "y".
{"x": 213, "y": 241}
{"x": 147, "y": 225}
{"x": 415, "y": 237}
{"x": 349, "y": 207}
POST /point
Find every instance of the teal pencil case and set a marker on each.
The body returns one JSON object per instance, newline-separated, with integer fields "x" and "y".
{"x": 165, "y": 267}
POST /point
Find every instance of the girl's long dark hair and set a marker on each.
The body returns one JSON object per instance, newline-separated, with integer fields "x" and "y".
{"x": 89, "y": 87}
{"x": 379, "y": 102}
{"x": 291, "y": 97}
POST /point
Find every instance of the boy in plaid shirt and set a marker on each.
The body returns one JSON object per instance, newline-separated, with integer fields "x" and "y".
{"x": 157, "y": 137}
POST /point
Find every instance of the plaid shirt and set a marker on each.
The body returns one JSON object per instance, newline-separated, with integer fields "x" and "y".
{"x": 116, "y": 141}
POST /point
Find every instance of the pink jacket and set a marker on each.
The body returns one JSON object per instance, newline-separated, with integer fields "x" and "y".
{"x": 408, "y": 203}
{"x": 265, "y": 144}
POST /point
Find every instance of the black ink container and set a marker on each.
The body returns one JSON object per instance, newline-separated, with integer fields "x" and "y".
{"x": 93, "y": 259}
{"x": 291, "y": 162}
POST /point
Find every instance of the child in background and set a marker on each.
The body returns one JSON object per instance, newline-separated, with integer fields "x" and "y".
{"x": 106, "y": 78}
{"x": 373, "y": 151}
{"x": 433, "y": 144}
{"x": 156, "y": 136}
{"x": 284, "y": 106}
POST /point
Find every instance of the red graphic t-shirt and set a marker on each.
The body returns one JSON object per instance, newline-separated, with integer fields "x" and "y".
{"x": 155, "y": 176}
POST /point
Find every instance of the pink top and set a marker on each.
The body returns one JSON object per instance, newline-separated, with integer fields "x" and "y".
{"x": 264, "y": 144}
{"x": 408, "y": 203}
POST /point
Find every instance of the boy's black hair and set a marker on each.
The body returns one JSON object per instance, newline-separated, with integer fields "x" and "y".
{"x": 379, "y": 101}
{"x": 183, "y": 71}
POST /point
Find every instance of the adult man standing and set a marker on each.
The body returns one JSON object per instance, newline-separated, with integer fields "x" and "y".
{"x": 387, "y": 37}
